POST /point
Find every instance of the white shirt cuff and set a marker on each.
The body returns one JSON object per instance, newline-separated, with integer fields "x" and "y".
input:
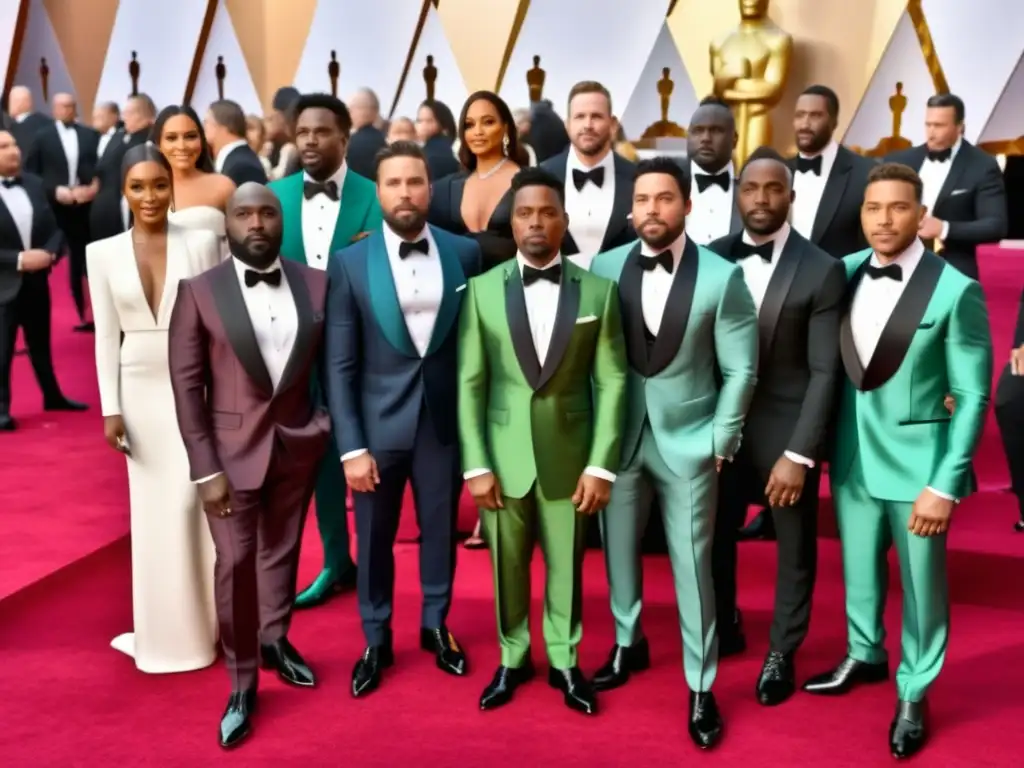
{"x": 798, "y": 459}
{"x": 353, "y": 454}
{"x": 202, "y": 480}
{"x": 945, "y": 496}
{"x": 475, "y": 473}
{"x": 604, "y": 474}
{"x": 945, "y": 230}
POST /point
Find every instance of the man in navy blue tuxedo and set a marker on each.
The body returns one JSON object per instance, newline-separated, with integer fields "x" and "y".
{"x": 391, "y": 369}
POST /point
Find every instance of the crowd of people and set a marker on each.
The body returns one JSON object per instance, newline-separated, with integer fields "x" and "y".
{"x": 318, "y": 304}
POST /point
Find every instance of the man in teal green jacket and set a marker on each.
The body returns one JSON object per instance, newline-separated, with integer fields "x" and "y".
{"x": 916, "y": 330}
{"x": 326, "y": 207}
{"x": 688, "y": 319}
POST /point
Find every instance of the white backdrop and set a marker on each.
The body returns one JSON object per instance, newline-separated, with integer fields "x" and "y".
{"x": 644, "y": 106}
{"x": 449, "y": 86}
{"x": 8, "y": 23}
{"x": 39, "y": 41}
{"x": 1007, "y": 121}
{"x": 238, "y": 84}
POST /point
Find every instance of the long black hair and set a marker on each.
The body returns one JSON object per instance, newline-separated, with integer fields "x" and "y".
{"x": 444, "y": 118}
{"x": 204, "y": 162}
{"x": 514, "y": 151}
{"x": 143, "y": 153}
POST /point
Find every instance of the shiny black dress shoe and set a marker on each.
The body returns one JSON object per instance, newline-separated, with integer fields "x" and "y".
{"x": 705, "y": 724}
{"x": 499, "y": 691}
{"x": 235, "y": 724}
{"x": 848, "y": 675}
{"x": 288, "y": 663}
{"x": 368, "y": 670}
{"x": 447, "y": 652}
{"x": 909, "y": 730}
{"x": 579, "y": 694}
{"x": 1019, "y": 526}
{"x": 778, "y": 679}
{"x": 7, "y": 424}
{"x": 622, "y": 661}
{"x": 62, "y": 403}
{"x": 761, "y": 528}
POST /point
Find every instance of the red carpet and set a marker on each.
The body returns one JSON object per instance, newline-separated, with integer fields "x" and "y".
{"x": 68, "y": 699}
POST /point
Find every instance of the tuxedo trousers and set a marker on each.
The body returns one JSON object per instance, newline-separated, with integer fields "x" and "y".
{"x": 332, "y": 511}
{"x": 688, "y": 507}
{"x": 868, "y": 527}
{"x": 73, "y": 221}
{"x": 257, "y": 563}
{"x": 1009, "y": 410}
{"x": 30, "y": 311}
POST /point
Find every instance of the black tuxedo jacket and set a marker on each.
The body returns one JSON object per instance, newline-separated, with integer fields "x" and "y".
{"x": 105, "y": 218}
{"x": 47, "y": 160}
{"x": 25, "y": 131}
{"x": 972, "y": 200}
{"x": 243, "y": 165}
{"x": 620, "y": 228}
{"x": 363, "y": 147}
{"x": 798, "y": 363}
{"x": 837, "y": 229}
{"x": 45, "y": 235}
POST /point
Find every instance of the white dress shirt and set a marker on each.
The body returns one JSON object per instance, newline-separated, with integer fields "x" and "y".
{"x": 20, "y": 207}
{"x": 809, "y": 188}
{"x": 542, "y": 309}
{"x": 319, "y": 217}
{"x": 711, "y": 215}
{"x": 275, "y": 321}
{"x": 656, "y": 284}
{"x": 590, "y": 208}
{"x": 69, "y": 140}
{"x": 933, "y": 175}
{"x": 227, "y": 149}
{"x": 104, "y": 141}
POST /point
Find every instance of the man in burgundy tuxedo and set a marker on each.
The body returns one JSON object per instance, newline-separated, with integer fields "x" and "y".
{"x": 244, "y": 341}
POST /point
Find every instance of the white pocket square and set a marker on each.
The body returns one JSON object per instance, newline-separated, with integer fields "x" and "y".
{"x": 461, "y": 288}
{"x": 587, "y": 319}
{"x": 957, "y": 192}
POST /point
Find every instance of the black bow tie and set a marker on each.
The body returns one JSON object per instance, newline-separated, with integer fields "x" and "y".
{"x": 893, "y": 271}
{"x": 941, "y": 156}
{"x": 12, "y": 182}
{"x": 271, "y": 278}
{"x": 809, "y": 165}
{"x": 313, "y": 188}
{"x": 764, "y": 250}
{"x": 531, "y": 274}
{"x": 405, "y": 248}
{"x": 705, "y": 180}
{"x": 648, "y": 263}
{"x": 580, "y": 178}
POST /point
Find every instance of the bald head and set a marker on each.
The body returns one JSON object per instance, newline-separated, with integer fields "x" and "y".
{"x": 64, "y": 108}
{"x": 364, "y": 107}
{"x": 711, "y": 137}
{"x": 19, "y": 101}
{"x": 254, "y": 225}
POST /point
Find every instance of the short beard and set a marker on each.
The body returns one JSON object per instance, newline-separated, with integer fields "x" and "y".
{"x": 406, "y": 226}
{"x": 663, "y": 242}
{"x": 765, "y": 229}
{"x": 255, "y": 260}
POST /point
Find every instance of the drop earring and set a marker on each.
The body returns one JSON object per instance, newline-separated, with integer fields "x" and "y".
{"x": 504, "y": 145}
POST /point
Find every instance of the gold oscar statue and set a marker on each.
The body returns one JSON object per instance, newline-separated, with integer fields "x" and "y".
{"x": 333, "y": 72}
{"x": 430, "y": 77}
{"x": 895, "y": 142}
{"x": 535, "y": 81}
{"x": 221, "y": 72}
{"x": 133, "y": 73}
{"x": 665, "y": 128}
{"x": 44, "y": 78}
{"x": 750, "y": 66}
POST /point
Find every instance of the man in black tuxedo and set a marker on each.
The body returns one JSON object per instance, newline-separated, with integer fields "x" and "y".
{"x": 366, "y": 139}
{"x": 963, "y": 187}
{"x": 225, "y": 128}
{"x": 27, "y": 122}
{"x": 798, "y": 289}
{"x": 109, "y": 214}
{"x": 710, "y": 141}
{"x": 1009, "y": 410}
{"x": 106, "y": 121}
{"x": 598, "y": 183}
{"x": 29, "y": 245}
{"x": 64, "y": 156}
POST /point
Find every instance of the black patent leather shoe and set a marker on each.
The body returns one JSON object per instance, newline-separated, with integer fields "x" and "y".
{"x": 367, "y": 673}
{"x": 848, "y": 675}
{"x": 579, "y": 694}
{"x": 778, "y": 679}
{"x": 705, "y": 724}
{"x": 7, "y": 424}
{"x": 448, "y": 654}
{"x": 622, "y": 661}
{"x": 63, "y": 404}
{"x": 288, "y": 663}
{"x": 909, "y": 730}
{"x": 1019, "y": 526}
{"x": 499, "y": 691}
{"x": 235, "y": 723}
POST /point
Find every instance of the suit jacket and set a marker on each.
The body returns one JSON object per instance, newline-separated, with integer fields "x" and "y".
{"x": 45, "y": 235}
{"x": 243, "y": 165}
{"x": 837, "y": 229}
{"x": 46, "y": 157}
{"x": 229, "y": 414}
{"x": 695, "y": 383}
{"x": 25, "y": 131}
{"x": 440, "y": 159}
{"x": 360, "y": 212}
{"x": 798, "y": 352}
{"x": 972, "y": 200}
{"x": 363, "y": 146}
{"x": 105, "y": 219}
{"x": 620, "y": 227}
{"x": 376, "y": 380}
{"x": 531, "y": 423}
{"x": 891, "y": 413}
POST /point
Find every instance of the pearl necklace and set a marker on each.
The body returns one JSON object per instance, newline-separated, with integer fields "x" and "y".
{"x": 493, "y": 170}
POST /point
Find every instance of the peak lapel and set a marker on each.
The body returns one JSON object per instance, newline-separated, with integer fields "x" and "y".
{"x": 384, "y": 296}
{"x": 519, "y": 324}
{"x": 302, "y": 347}
{"x": 234, "y": 315}
{"x": 847, "y": 347}
{"x": 631, "y": 301}
{"x": 451, "y": 300}
{"x": 677, "y": 311}
{"x": 775, "y": 294}
{"x": 565, "y": 323}
{"x": 831, "y": 195}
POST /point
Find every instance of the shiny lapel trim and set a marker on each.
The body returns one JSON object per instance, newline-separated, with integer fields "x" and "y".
{"x": 451, "y": 299}
{"x": 956, "y": 170}
{"x": 304, "y": 330}
{"x": 631, "y": 301}
{"x": 351, "y": 212}
{"x": 519, "y": 325}
{"x": 227, "y": 296}
{"x": 847, "y": 347}
{"x": 831, "y": 195}
{"x": 289, "y": 192}
{"x": 565, "y": 323}
{"x": 902, "y": 324}
{"x": 622, "y": 202}
{"x": 775, "y": 294}
{"x": 384, "y": 296}
{"x": 677, "y": 311}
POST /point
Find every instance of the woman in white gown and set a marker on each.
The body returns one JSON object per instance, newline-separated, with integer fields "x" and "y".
{"x": 133, "y": 281}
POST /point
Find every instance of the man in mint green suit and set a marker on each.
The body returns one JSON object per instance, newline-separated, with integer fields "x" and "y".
{"x": 326, "y": 207}
{"x": 916, "y": 330}
{"x": 691, "y": 339}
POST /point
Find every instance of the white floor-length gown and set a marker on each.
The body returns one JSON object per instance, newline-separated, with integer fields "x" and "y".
{"x": 174, "y": 615}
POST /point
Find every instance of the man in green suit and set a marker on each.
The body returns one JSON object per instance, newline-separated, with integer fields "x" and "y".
{"x": 916, "y": 330}
{"x": 542, "y": 383}
{"x": 326, "y": 207}
{"x": 691, "y": 337}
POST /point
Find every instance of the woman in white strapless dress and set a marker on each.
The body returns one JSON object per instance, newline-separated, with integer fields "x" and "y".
{"x": 133, "y": 283}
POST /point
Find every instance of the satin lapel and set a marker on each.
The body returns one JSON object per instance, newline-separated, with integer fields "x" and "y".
{"x": 565, "y": 323}
{"x": 631, "y": 301}
{"x": 289, "y": 192}
{"x": 7, "y": 222}
{"x": 351, "y": 214}
{"x": 519, "y": 325}
{"x": 956, "y": 170}
{"x": 847, "y": 347}
{"x": 622, "y": 203}
{"x": 451, "y": 299}
{"x": 227, "y": 295}
{"x": 835, "y": 185}
{"x": 775, "y": 294}
{"x": 736, "y": 222}
{"x": 384, "y": 296}
{"x": 677, "y": 311}
{"x": 903, "y": 322}
{"x": 304, "y": 331}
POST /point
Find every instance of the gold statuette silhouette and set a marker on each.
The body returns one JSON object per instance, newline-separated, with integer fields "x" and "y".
{"x": 430, "y": 78}
{"x": 665, "y": 128}
{"x": 133, "y": 73}
{"x": 44, "y": 78}
{"x": 333, "y": 72}
{"x": 897, "y": 105}
{"x": 221, "y": 72}
{"x": 535, "y": 81}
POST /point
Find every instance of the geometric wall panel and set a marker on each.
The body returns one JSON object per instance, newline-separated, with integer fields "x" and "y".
{"x": 82, "y": 30}
{"x": 479, "y": 40}
{"x": 9, "y": 11}
{"x": 222, "y": 46}
{"x": 40, "y": 42}
{"x": 644, "y": 106}
{"x": 449, "y": 87}
{"x": 1007, "y": 120}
